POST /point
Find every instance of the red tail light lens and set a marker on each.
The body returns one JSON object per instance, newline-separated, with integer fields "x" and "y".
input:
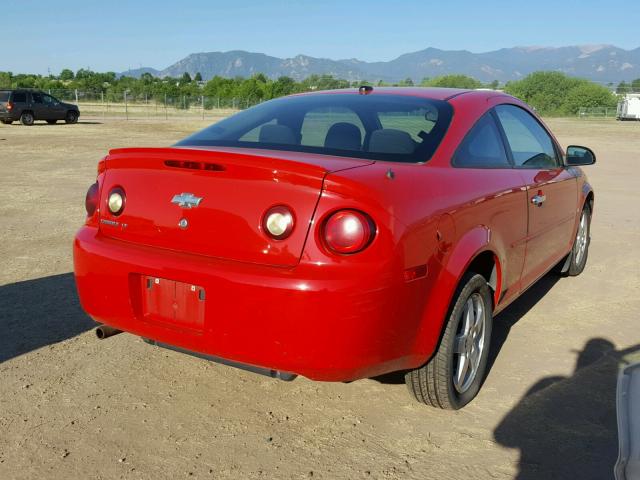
{"x": 9, "y": 106}
{"x": 91, "y": 200}
{"x": 278, "y": 222}
{"x": 348, "y": 231}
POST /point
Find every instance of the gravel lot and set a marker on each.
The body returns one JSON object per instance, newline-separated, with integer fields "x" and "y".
{"x": 72, "y": 407}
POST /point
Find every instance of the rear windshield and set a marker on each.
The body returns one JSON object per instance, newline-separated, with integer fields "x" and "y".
{"x": 4, "y": 96}
{"x": 378, "y": 127}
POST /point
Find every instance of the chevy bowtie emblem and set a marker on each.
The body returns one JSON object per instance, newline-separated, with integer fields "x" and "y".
{"x": 186, "y": 200}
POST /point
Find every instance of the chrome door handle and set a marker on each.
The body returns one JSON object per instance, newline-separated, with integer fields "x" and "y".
{"x": 538, "y": 199}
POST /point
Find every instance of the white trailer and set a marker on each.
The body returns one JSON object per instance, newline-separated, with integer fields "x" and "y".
{"x": 629, "y": 107}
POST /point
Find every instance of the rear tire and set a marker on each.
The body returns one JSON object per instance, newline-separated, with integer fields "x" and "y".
{"x": 51, "y": 122}
{"x": 453, "y": 376}
{"x": 27, "y": 119}
{"x": 7, "y": 122}
{"x": 72, "y": 117}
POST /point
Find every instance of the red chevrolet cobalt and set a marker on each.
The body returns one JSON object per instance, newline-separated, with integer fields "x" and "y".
{"x": 337, "y": 235}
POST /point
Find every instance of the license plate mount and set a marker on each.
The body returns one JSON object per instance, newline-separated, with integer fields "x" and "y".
{"x": 170, "y": 301}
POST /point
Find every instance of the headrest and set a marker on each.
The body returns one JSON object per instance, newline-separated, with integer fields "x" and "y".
{"x": 389, "y": 140}
{"x": 343, "y": 136}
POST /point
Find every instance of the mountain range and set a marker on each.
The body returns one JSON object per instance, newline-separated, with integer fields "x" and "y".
{"x": 601, "y": 63}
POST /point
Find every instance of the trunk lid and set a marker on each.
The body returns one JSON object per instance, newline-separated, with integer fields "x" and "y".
{"x": 236, "y": 187}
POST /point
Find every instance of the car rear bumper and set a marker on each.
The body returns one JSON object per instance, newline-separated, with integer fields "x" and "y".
{"x": 325, "y": 322}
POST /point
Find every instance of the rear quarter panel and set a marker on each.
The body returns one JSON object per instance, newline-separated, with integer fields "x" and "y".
{"x": 442, "y": 217}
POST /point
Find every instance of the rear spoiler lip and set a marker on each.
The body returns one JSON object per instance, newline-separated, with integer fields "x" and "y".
{"x": 276, "y": 158}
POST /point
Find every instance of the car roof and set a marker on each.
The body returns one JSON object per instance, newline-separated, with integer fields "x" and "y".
{"x": 434, "y": 93}
{"x": 21, "y": 89}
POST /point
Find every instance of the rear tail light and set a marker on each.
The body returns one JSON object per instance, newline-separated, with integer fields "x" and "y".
{"x": 91, "y": 200}
{"x": 278, "y": 222}
{"x": 348, "y": 231}
{"x": 9, "y": 106}
{"x": 116, "y": 201}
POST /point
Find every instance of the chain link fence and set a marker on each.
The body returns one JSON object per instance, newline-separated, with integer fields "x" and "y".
{"x": 597, "y": 112}
{"x": 132, "y": 106}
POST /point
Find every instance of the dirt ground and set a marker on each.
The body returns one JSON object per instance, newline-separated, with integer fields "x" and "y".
{"x": 73, "y": 407}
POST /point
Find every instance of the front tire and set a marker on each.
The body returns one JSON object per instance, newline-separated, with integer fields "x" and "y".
{"x": 26, "y": 118}
{"x": 580, "y": 250}
{"x": 452, "y": 377}
{"x": 7, "y": 122}
{"x": 71, "y": 117}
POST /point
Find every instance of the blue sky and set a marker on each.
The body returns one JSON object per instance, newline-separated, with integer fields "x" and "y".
{"x": 120, "y": 35}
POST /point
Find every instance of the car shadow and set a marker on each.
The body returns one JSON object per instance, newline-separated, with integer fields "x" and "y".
{"x": 36, "y": 313}
{"x": 61, "y": 123}
{"x": 506, "y": 319}
{"x": 566, "y": 427}
{"x": 502, "y": 324}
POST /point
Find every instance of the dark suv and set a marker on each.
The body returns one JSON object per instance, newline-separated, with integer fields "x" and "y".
{"x": 30, "y": 105}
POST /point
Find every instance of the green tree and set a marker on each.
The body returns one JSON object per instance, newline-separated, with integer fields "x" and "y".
{"x": 5, "y": 79}
{"x": 66, "y": 75}
{"x": 546, "y": 91}
{"x": 553, "y": 93}
{"x": 186, "y": 78}
{"x": 623, "y": 87}
{"x": 198, "y": 77}
{"x": 282, "y": 86}
{"x": 588, "y": 95}
{"x": 635, "y": 85}
{"x": 453, "y": 81}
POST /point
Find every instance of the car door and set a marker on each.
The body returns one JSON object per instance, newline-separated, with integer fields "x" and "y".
{"x": 55, "y": 107}
{"x": 552, "y": 190}
{"x": 39, "y": 108}
{"x": 495, "y": 197}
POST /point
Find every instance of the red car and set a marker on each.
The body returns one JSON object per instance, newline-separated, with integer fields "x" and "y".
{"x": 337, "y": 235}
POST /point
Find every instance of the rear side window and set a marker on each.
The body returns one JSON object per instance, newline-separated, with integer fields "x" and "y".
{"x": 19, "y": 97}
{"x": 531, "y": 146}
{"x": 482, "y": 147}
{"x": 385, "y": 127}
{"x": 4, "y": 96}
{"x": 37, "y": 97}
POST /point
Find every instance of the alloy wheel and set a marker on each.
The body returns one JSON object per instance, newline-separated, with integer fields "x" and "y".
{"x": 469, "y": 343}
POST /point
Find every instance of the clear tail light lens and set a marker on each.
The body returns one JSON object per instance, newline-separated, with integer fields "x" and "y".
{"x": 92, "y": 198}
{"x": 348, "y": 231}
{"x": 278, "y": 222}
{"x": 116, "y": 201}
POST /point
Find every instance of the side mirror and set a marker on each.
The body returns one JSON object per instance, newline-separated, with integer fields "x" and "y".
{"x": 577, "y": 155}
